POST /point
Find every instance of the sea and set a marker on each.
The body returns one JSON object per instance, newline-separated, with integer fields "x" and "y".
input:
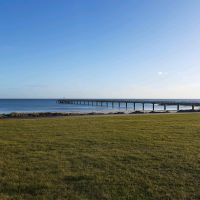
{"x": 50, "y": 105}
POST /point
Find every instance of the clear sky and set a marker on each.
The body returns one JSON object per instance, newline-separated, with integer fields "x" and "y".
{"x": 100, "y": 48}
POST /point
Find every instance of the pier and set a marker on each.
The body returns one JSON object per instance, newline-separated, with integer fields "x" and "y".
{"x": 192, "y": 104}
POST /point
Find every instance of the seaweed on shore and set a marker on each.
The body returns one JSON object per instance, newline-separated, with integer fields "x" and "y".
{"x": 137, "y": 112}
{"x": 33, "y": 115}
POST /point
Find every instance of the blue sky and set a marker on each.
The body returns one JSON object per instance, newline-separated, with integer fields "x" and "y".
{"x": 99, "y": 49}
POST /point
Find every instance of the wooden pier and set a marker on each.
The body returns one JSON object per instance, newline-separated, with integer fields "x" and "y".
{"x": 128, "y": 102}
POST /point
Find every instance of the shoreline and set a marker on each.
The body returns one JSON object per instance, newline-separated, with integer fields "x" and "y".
{"x": 30, "y": 115}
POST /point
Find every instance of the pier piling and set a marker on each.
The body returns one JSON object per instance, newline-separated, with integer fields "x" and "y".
{"x": 143, "y": 106}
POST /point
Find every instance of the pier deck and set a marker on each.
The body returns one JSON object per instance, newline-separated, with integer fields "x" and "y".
{"x": 117, "y": 102}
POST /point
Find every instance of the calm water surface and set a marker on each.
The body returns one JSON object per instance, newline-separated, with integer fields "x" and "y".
{"x": 50, "y": 105}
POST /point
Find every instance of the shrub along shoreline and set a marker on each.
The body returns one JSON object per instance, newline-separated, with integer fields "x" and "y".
{"x": 65, "y": 114}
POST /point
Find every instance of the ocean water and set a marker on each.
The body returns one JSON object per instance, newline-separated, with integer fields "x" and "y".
{"x": 50, "y": 105}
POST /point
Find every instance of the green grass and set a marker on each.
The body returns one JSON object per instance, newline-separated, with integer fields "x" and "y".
{"x": 107, "y": 157}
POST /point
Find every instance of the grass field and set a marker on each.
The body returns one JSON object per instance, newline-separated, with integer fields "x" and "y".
{"x": 105, "y": 157}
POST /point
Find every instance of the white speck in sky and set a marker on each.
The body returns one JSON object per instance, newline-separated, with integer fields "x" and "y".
{"x": 162, "y": 73}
